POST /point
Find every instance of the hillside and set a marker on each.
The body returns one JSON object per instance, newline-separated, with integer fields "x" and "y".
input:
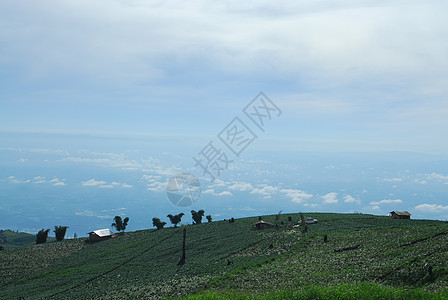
{"x": 223, "y": 257}
{"x": 10, "y": 239}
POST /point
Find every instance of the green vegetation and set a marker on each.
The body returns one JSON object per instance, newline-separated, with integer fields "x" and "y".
{"x": 119, "y": 224}
{"x": 41, "y": 236}
{"x": 361, "y": 290}
{"x": 157, "y": 223}
{"x": 197, "y": 216}
{"x": 60, "y": 232}
{"x": 11, "y": 239}
{"x": 365, "y": 257}
{"x": 175, "y": 219}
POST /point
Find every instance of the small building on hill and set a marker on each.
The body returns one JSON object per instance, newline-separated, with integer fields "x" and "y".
{"x": 263, "y": 225}
{"x": 400, "y": 214}
{"x": 100, "y": 235}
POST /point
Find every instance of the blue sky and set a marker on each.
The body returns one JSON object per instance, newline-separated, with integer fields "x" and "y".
{"x": 168, "y": 76}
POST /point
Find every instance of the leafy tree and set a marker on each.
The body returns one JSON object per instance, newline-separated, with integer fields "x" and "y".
{"x": 60, "y": 232}
{"x": 120, "y": 224}
{"x": 41, "y": 236}
{"x": 176, "y": 219}
{"x": 157, "y": 223}
{"x": 209, "y": 218}
{"x": 197, "y": 216}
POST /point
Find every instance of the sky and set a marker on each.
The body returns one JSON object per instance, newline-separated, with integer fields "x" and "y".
{"x": 154, "y": 77}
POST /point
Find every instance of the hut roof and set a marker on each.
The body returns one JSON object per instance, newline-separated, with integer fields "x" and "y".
{"x": 263, "y": 222}
{"x": 400, "y": 213}
{"x": 102, "y": 232}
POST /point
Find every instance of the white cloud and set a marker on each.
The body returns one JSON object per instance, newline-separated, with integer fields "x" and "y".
{"x": 86, "y": 160}
{"x": 420, "y": 181}
{"x": 431, "y": 208}
{"x": 90, "y": 213}
{"x": 396, "y": 179}
{"x": 22, "y": 160}
{"x": 103, "y": 184}
{"x": 151, "y": 177}
{"x": 93, "y": 182}
{"x": 241, "y": 186}
{"x": 297, "y": 196}
{"x": 106, "y": 186}
{"x": 350, "y": 199}
{"x": 330, "y": 198}
{"x": 225, "y": 193}
{"x": 386, "y": 201}
{"x": 18, "y": 181}
{"x": 38, "y": 180}
{"x": 212, "y": 192}
{"x": 436, "y": 176}
{"x": 154, "y": 183}
{"x": 265, "y": 191}
{"x": 86, "y": 213}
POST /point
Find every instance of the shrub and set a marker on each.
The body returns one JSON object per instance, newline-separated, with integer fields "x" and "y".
{"x": 175, "y": 219}
{"x": 197, "y": 216}
{"x": 157, "y": 223}
{"x": 60, "y": 232}
{"x": 41, "y": 236}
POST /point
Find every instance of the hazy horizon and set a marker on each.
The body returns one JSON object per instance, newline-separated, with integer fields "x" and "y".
{"x": 101, "y": 107}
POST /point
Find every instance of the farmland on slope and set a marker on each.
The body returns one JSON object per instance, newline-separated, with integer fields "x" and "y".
{"x": 232, "y": 257}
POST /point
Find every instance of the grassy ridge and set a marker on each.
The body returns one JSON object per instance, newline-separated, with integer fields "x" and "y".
{"x": 232, "y": 258}
{"x": 11, "y": 239}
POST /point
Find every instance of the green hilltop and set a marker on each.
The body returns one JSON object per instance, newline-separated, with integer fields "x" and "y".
{"x": 11, "y": 239}
{"x": 365, "y": 256}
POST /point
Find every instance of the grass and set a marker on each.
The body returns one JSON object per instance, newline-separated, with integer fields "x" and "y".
{"x": 10, "y": 239}
{"x": 361, "y": 290}
{"x": 235, "y": 260}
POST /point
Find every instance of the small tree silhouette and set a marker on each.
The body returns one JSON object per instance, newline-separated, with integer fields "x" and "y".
{"x": 175, "y": 219}
{"x": 157, "y": 223}
{"x": 120, "y": 224}
{"x": 209, "y": 218}
{"x": 42, "y": 235}
{"x": 197, "y": 216}
{"x": 60, "y": 232}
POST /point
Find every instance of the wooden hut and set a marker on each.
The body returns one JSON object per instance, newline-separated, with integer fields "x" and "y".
{"x": 400, "y": 214}
{"x": 100, "y": 235}
{"x": 263, "y": 225}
